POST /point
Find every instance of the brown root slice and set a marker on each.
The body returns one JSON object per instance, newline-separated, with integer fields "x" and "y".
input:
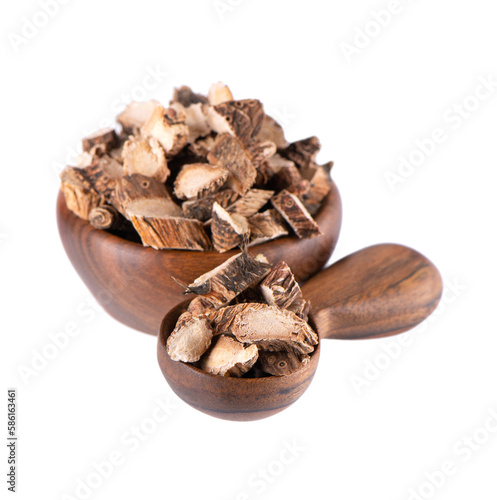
{"x": 280, "y": 363}
{"x": 228, "y": 152}
{"x": 266, "y": 226}
{"x": 201, "y": 208}
{"x": 79, "y": 193}
{"x": 228, "y": 230}
{"x": 293, "y": 211}
{"x": 271, "y": 328}
{"x": 229, "y": 358}
{"x": 223, "y": 283}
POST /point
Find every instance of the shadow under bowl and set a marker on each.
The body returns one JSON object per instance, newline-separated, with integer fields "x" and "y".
{"x": 133, "y": 283}
{"x": 230, "y": 398}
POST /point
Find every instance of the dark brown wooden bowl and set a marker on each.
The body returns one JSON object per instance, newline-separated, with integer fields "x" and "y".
{"x": 230, "y": 398}
{"x": 133, "y": 283}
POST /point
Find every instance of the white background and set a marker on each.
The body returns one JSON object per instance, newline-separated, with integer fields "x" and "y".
{"x": 378, "y": 440}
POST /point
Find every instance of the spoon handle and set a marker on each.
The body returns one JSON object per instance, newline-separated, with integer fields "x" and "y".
{"x": 379, "y": 291}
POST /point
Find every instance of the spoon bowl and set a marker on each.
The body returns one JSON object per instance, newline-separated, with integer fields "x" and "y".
{"x": 379, "y": 291}
{"x": 230, "y": 398}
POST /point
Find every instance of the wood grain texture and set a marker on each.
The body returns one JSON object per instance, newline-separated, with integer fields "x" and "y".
{"x": 225, "y": 397}
{"x": 379, "y": 291}
{"x": 134, "y": 284}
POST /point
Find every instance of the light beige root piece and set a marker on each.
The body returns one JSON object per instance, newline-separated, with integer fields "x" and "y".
{"x": 229, "y": 358}
{"x": 169, "y": 128}
{"x": 228, "y": 230}
{"x": 219, "y": 93}
{"x": 136, "y": 115}
{"x": 271, "y": 328}
{"x": 191, "y": 337}
{"x": 198, "y": 179}
{"x": 144, "y": 155}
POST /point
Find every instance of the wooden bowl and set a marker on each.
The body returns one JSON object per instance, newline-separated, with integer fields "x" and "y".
{"x": 133, "y": 283}
{"x": 230, "y": 398}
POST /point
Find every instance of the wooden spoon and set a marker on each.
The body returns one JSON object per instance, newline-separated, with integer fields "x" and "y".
{"x": 376, "y": 292}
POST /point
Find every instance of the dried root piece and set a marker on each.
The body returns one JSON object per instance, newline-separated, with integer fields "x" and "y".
{"x": 136, "y": 115}
{"x": 229, "y": 358}
{"x": 269, "y": 327}
{"x": 279, "y": 287}
{"x": 186, "y": 97}
{"x": 201, "y": 208}
{"x": 201, "y": 147}
{"x": 290, "y": 178}
{"x": 303, "y": 152}
{"x": 272, "y": 131}
{"x": 228, "y": 152}
{"x": 242, "y": 119}
{"x": 223, "y": 283}
{"x": 171, "y": 233}
{"x": 266, "y": 226}
{"x": 108, "y": 218}
{"x": 103, "y": 175}
{"x": 319, "y": 186}
{"x": 277, "y": 162}
{"x": 219, "y": 93}
{"x": 191, "y": 337}
{"x": 79, "y": 193}
{"x": 294, "y": 212}
{"x": 198, "y": 179}
{"x": 169, "y": 128}
{"x": 228, "y": 230}
{"x": 195, "y": 119}
{"x": 100, "y": 142}
{"x": 145, "y": 156}
{"x": 148, "y": 197}
{"x": 251, "y": 203}
{"x": 280, "y": 363}
{"x": 200, "y": 305}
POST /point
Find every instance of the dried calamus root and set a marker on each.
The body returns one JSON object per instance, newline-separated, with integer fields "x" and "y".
{"x": 254, "y": 316}
{"x": 205, "y": 172}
